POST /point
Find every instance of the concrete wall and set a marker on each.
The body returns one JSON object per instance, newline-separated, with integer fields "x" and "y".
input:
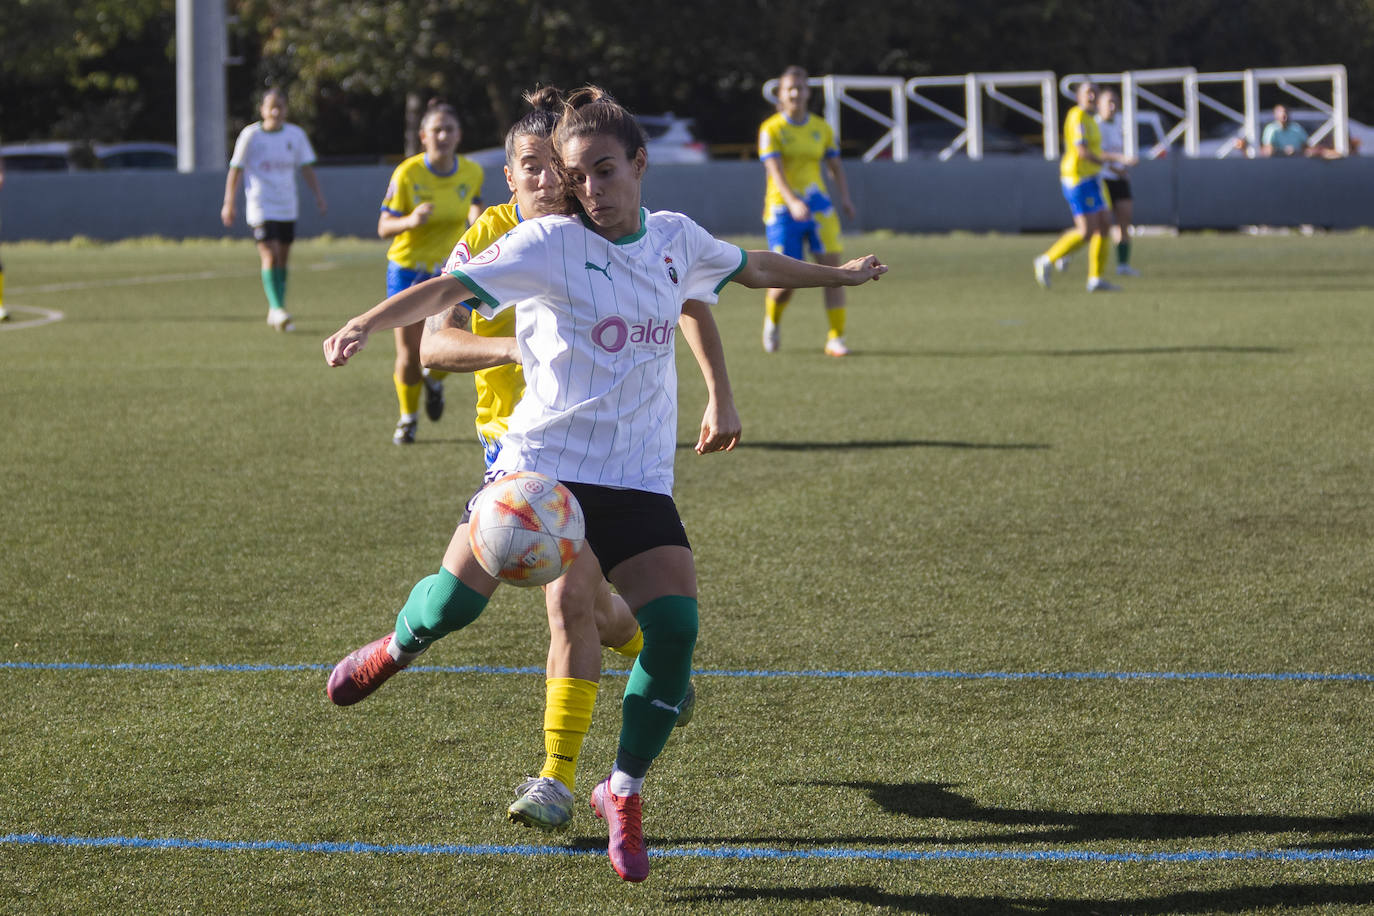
{"x": 1008, "y": 194}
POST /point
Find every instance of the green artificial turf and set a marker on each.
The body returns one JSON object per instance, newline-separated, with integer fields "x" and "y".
{"x": 927, "y": 575}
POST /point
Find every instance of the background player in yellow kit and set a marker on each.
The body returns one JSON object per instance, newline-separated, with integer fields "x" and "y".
{"x": 797, "y": 210}
{"x": 461, "y": 342}
{"x": 432, "y": 198}
{"x": 1080, "y": 174}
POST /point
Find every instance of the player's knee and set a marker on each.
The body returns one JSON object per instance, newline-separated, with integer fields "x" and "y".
{"x": 669, "y": 623}
{"x": 440, "y": 604}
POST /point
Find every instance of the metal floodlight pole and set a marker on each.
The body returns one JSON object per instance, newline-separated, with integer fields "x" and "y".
{"x": 201, "y": 96}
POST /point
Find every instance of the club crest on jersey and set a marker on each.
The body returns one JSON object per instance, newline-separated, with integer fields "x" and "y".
{"x": 458, "y": 258}
{"x": 672, "y": 271}
{"x": 613, "y": 334}
{"x": 487, "y": 255}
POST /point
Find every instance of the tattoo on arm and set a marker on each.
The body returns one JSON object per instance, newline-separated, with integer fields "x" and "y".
{"x": 449, "y": 318}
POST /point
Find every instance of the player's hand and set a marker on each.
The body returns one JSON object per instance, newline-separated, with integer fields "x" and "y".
{"x": 799, "y": 210}
{"x": 861, "y": 270}
{"x": 226, "y": 215}
{"x": 421, "y": 213}
{"x": 720, "y": 428}
{"x": 850, "y": 213}
{"x": 343, "y": 343}
{"x": 320, "y": 202}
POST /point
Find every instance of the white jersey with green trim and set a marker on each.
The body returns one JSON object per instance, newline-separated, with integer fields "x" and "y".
{"x": 596, "y": 321}
{"x": 269, "y": 159}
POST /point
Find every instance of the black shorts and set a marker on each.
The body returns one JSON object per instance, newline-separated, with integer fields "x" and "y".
{"x": 622, "y": 523}
{"x": 274, "y": 230}
{"x": 1118, "y": 188}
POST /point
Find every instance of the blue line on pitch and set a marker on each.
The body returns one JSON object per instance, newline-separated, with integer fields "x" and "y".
{"x": 1304, "y": 676}
{"x": 722, "y": 852}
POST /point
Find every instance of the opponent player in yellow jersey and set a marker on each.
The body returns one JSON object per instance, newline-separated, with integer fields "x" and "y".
{"x": 797, "y": 209}
{"x": 1080, "y": 174}
{"x": 460, "y": 342}
{"x": 431, "y": 199}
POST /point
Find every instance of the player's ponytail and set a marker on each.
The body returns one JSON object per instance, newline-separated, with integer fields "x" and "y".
{"x": 592, "y": 111}
{"x": 546, "y": 103}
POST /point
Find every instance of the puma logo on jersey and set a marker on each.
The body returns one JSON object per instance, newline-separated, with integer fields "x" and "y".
{"x": 604, "y": 271}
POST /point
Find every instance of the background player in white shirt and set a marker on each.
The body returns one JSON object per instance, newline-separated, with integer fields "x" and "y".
{"x": 1117, "y": 178}
{"x": 268, "y": 154}
{"x": 597, "y": 296}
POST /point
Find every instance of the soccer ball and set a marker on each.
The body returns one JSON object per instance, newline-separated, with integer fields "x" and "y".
{"x": 525, "y": 528}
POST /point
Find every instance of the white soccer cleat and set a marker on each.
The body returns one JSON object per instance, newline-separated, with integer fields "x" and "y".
{"x": 1099, "y": 285}
{"x": 542, "y": 802}
{"x": 1062, "y": 264}
{"x": 1042, "y": 271}
{"x": 835, "y": 346}
{"x": 1126, "y": 270}
{"x": 279, "y": 320}
{"x": 772, "y": 337}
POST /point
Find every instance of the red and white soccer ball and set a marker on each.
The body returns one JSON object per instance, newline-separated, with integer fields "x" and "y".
{"x": 525, "y": 528}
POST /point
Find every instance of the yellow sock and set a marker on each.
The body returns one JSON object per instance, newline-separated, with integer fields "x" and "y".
{"x": 408, "y": 395}
{"x": 632, "y": 648}
{"x": 773, "y": 309}
{"x": 568, "y": 703}
{"x": 1065, "y": 245}
{"x": 835, "y": 317}
{"x": 1097, "y": 257}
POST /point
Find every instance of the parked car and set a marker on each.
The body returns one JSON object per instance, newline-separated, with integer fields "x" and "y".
{"x": 1227, "y": 138}
{"x": 927, "y": 139}
{"x": 670, "y": 140}
{"x": 78, "y": 155}
{"x": 136, "y": 155}
{"x": 48, "y": 156}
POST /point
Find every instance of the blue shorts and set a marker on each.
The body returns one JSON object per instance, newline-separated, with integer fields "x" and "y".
{"x": 1086, "y": 197}
{"x": 400, "y": 278}
{"x": 820, "y": 233}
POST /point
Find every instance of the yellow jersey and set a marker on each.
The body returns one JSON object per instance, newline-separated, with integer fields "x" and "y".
{"x": 413, "y": 183}
{"x": 499, "y": 388}
{"x": 1080, "y": 129}
{"x": 801, "y": 148}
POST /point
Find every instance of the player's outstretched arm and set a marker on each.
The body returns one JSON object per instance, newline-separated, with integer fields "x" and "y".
{"x": 770, "y": 270}
{"x": 448, "y": 343}
{"x": 406, "y": 307}
{"x": 720, "y": 424}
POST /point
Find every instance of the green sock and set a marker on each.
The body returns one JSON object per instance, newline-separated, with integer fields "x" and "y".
{"x": 279, "y": 281}
{"x": 658, "y": 681}
{"x": 438, "y": 605}
{"x": 1123, "y": 251}
{"x": 269, "y": 286}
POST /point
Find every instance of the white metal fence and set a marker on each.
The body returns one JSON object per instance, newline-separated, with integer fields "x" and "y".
{"x": 1173, "y": 97}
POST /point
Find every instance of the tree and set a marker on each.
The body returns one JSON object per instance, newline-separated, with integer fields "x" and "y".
{"x": 97, "y": 69}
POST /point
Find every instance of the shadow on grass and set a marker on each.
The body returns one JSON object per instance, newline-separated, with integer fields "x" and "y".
{"x": 1094, "y": 351}
{"x": 1250, "y": 898}
{"x": 938, "y": 800}
{"x": 862, "y": 444}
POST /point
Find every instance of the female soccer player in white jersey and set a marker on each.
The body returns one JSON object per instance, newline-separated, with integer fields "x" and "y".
{"x": 459, "y": 341}
{"x": 1116, "y": 178}
{"x": 597, "y": 296}
{"x": 268, "y": 153}
{"x": 797, "y": 209}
